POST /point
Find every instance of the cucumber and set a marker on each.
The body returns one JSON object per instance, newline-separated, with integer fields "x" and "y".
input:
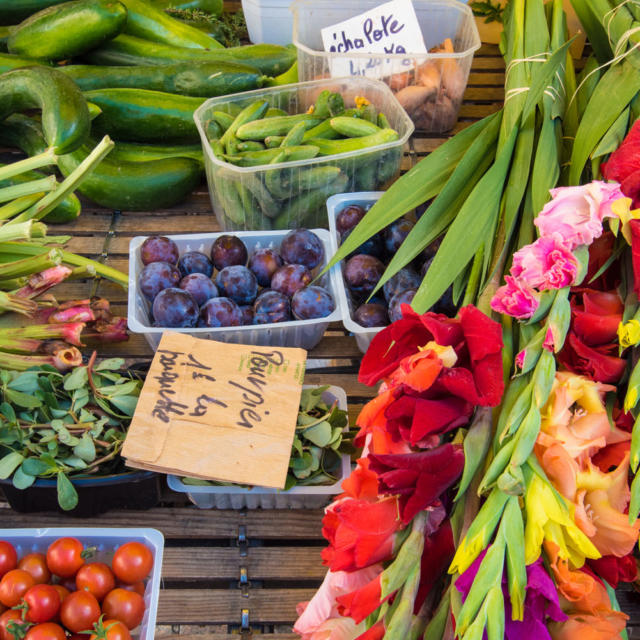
{"x": 270, "y": 59}
{"x": 278, "y": 126}
{"x": 145, "y": 21}
{"x": 68, "y": 210}
{"x": 353, "y": 127}
{"x": 65, "y": 116}
{"x": 145, "y": 116}
{"x": 9, "y": 61}
{"x": 14, "y": 11}
{"x": 135, "y": 186}
{"x": 5, "y": 32}
{"x": 23, "y": 133}
{"x": 206, "y": 79}
{"x": 145, "y": 152}
{"x": 68, "y": 29}
{"x": 213, "y": 7}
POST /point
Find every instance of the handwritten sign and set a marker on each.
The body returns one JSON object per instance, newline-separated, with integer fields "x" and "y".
{"x": 217, "y": 411}
{"x": 389, "y": 28}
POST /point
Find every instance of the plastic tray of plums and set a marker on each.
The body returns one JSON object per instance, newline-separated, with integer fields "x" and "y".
{"x": 248, "y": 287}
{"x": 364, "y": 314}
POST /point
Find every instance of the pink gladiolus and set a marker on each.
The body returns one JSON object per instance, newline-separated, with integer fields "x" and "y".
{"x": 515, "y": 299}
{"x": 546, "y": 264}
{"x": 41, "y": 282}
{"x": 72, "y": 314}
{"x": 576, "y": 213}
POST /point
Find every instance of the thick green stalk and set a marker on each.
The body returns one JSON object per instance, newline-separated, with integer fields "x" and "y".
{"x": 9, "y": 302}
{"x": 69, "y": 331}
{"x": 43, "y": 159}
{"x": 47, "y": 259}
{"x": 12, "y": 209}
{"x": 61, "y": 360}
{"x": 15, "y": 191}
{"x": 22, "y": 231}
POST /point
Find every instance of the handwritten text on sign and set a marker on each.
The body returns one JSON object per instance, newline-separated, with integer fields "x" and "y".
{"x": 217, "y": 411}
{"x": 389, "y": 28}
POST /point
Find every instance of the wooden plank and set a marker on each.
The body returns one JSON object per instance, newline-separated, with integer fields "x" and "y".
{"x": 213, "y": 606}
{"x": 186, "y": 222}
{"x": 231, "y": 636}
{"x": 262, "y": 563}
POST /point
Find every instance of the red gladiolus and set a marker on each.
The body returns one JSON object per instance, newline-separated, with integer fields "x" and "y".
{"x": 362, "y": 483}
{"x": 624, "y": 165}
{"x": 362, "y": 602}
{"x": 436, "y": 557}
{"x": 599, "y": 253}
{"x": 634, "y": 226}
{"x": 614, "y": 569}
{"x": 418, "y": 478}
{"x": 376, "y": 632}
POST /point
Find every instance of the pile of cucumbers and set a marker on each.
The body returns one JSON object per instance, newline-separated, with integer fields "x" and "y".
{"x": 292, "y": 159}
{"x": 126, "y": 69}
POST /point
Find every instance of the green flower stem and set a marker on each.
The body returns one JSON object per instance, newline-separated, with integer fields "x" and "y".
{"x": 21, "y": 345}
{"x": 9, "y": 302}
{"x": 47, "y": 259}
{"x": 69, "y": 331}
{"x": 397, "y": 628}
{"x": 22, "y": 231}
{"x": 27, "y": 188}
{"x": 62, "y": 361}
{"x": 43, "y": 159}
{"x": 18, "y": 205}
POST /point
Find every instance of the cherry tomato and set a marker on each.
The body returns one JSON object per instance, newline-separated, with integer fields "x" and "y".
{"x": 36, "y": 565}
{"x": 64, "y": 557}
{"x": 126, "y": 606}
{"x": 69, "y": 584}
{"x": 132, "y": 562}
{"x": 96, "y": 578}
{"x": 115, "y": 630}
{"x": 14, "y": 585}
{"x": 43, "y": 603}
{"x": 8, "y": 557}
{"x": 79, "y": 611}
{"x": 12, "y": 615}
{"x": 63, "y": 592}
{"x": 138, "y": 587}
{"x": 46, "y": 631}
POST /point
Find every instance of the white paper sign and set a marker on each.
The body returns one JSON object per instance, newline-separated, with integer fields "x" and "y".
{"x": 389, "y": 28}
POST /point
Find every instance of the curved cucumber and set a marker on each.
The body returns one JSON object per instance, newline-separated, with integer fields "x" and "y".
{"x": 145, "y": 116}
{"x": 65, "y": 116}
{"x": 270, "y": 59}
{"x": 130, "y": 152}
{"x": 14, "y": 11}
{"x": 68, "y": 29}
{"x": 214, "y": 7}
{"x": 10, "y": 61}
{"x": 206, "y": 79}
{"x": 145, "y": 21}
{"x": 135, "y": 186}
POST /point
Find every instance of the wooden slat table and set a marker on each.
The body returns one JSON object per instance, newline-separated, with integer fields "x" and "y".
{"x": 208, "y": 552}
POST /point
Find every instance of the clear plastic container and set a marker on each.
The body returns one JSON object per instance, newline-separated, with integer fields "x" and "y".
{"x": 431, "y": 91}
{"x": 268, "y": 21}
{"x": 106, "y": 541}
{"x": 239, "y": 195}
{"x": 295, "y": 333}
{"x": 335, "y": 204}
{"x": 234, "y": 497}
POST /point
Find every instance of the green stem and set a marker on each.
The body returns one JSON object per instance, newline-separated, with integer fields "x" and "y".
{"x": 62, "y": 361}
{"x": 474, "y": 278}
{"x": 43, "y": 159}
{"x": 49, "y": 258}
{"x": 27, "y": 188}
{"x": 22, "y": 231}
{"x": 18, "y": 205}
{"x": 9, "y": 302}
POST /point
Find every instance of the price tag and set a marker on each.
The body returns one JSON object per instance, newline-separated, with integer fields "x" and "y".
{"x": 389, "y": 28}
{"x": 217, "y": 411}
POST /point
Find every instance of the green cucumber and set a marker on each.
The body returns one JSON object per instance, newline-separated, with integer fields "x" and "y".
{"x": 213, "y": 7}
{"x": 295, "y": 135}
{"x": 14, "y": 11}
{"x": 68, "y": 210}
{"x": 146, "y": 152}
{"x": 65, "y": 116}
{"x": 250, "y": 145}
{"x": 273, "y": 141}
{"x": 331, "y": 147}
{"x": 251, "y": 112}
{"x": 273, "y": 112}
{"x": 145, "y": 116}
{"x": 266, "y": 156}
{"x": 201, "y": 79}
{"x": 145, "y": 21}
{"x": 23, "y": 133}
{"x": 5, "y": 32}
{"x": 353, "y": 127}
{"x": 270, "y": 59}
{"x": 9, "y": 61}
{"x": 286, "y": 183}
{"x": 278, "y": 126}
{"x": 225, "y": 120}
{"x": 68, "y": 29}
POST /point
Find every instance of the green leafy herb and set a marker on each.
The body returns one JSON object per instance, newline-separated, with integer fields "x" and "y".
{"x": 229, "y": 29}
{"x": 488, "y": 10}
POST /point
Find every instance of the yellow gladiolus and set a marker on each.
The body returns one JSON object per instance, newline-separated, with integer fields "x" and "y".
{"x": 622, "y": 209}
{"x": 629, "y": 333}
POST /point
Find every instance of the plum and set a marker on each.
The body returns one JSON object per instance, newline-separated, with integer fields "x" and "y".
{"x": 157, "y": 276}
{"x": 371, "y": 315}
{"x": 301, "y": 246}
{"x": 349, "y": 217}
{"x": 247, "y": 313}
{"x": 228, "y": 251}
{"x": 220, "y": 312}
{"x": 395, "y": 234}
{"x": 271, "y": 306}
{"x": 195, "y": 262}
{"x": 374, "y": 246}
{"x": 404, "y": 297}
{"x": 264, "y": 263}
{"x": 312, "y": 302}
{"x": 200, "y": 286}
{"x": 175, "y": 308}
{"x": 362, "y": 273}
{"x": 404, "y": 279}
{"x": 159, "y": 249}
{"x": 290, "y": 278}
{"x": 238, "y": 283}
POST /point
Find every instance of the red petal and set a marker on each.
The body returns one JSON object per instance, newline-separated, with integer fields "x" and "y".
{"x": 596, "y": 329}
{"x": 374, "y": 633}
{"x": 611, "y": 456}
{"x": 584, "y": 360}
{"x": 602, "y": 302}
{"x": 630, "y": 186}
{"x": 615, "y": 570}
{"x": 362, "y": 483}
{"x": 437, "y": 554}
{"x": 362, "y": 602}
{"x": 634, "y": 225}
{"x": 625, "y": 160}
{"x": 438, "y": 416}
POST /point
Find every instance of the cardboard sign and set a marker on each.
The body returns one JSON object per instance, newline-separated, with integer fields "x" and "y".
{"x": 390, "y": 28}
{"x": 217, "y": 411}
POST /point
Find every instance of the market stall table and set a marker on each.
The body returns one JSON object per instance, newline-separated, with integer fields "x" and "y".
{"x": 240, "y": 572}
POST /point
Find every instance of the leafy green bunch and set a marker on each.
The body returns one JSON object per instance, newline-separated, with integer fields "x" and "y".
{"x": 55, "y": 425}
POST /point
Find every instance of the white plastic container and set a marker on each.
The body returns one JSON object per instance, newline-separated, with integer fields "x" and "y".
{"x": 106, "y": 541}
{"x": 234, "y": 497}
{"x": 295, "y": 333}
{"x": 268, "y": 21}
{"x": 444, "y": 74}
{"x": 370, "y": 168}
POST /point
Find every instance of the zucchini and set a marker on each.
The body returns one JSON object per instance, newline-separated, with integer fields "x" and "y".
{"x": 135, "y": 186}
{"x": 68, "y": 210}
{"x": 145, "y": 21}
{"x": 14, "y": 11}
{"x": 145, "y": 152}
{"x": 24, "y": 133}
{"x": 5, "y": 32}
{"x": 270, "y": 59}
{"x": 145, "y": 116}
{"x": 213, "y": 7}
{"x": 9, "y": 61}
{"x": 65, "y": 115}
{"x": 68, "y": 29}
{"x": 206, "y": 79}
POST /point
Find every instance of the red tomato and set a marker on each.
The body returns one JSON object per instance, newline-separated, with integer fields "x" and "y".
{"x": 79, "y": 611}
{"x": 8, "y": 557}
{"x": 14, "y": 585}
{"x": 64, "y": 557}
{"x": 132, "y": 562}
{"x": 63, "y": 592}
{"x": 46, "y": 631}
{"x": 12, "y": 615}
{"x": 138, "y": 587}
{"x": 43, "y": 603}
{"x": 69, "y": 584}
{"x": 126, "y": 606}
{"x": 96, "y": 578}
{"x": 36, "y": 565}
{"x": 115, "y": 630}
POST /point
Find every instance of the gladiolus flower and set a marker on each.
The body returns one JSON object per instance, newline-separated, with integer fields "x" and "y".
{"x": 623, "y": 165}
{"x": 516, "y": 299}
{"x": 615, "y": 570}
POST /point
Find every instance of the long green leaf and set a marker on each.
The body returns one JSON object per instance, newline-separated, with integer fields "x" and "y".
{"x": 546, "y": 169}
{"x": 513, "y": 531}
{"x": 467, "y": 232}
{"x": 595, "y": 31}
{"x": 418, "y": 185}
{"x": 476, "y": 445}
{"x": 614, "y": 137}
